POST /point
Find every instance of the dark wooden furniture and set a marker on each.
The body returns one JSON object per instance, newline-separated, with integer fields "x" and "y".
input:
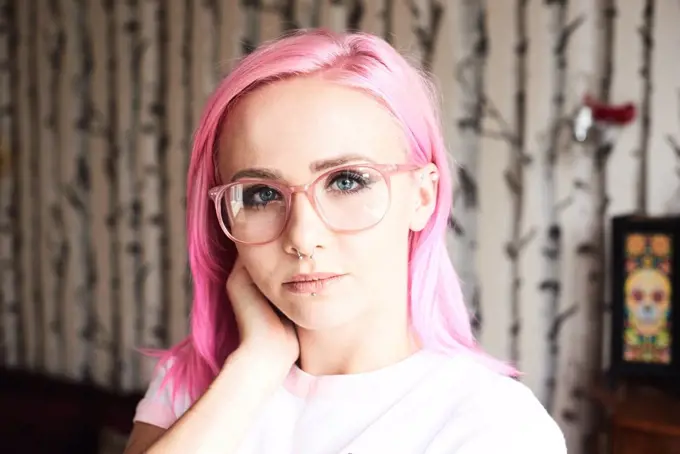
{"x": 645, "y": 421}
{"x": 40, "y": 414}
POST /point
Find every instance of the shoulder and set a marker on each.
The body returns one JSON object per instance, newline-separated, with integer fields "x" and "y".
{"x": 491, "y": 412}
{"x": 161, "y": 406}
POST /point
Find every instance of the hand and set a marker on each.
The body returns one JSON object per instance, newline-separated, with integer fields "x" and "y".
{"x": 264, "y": 331}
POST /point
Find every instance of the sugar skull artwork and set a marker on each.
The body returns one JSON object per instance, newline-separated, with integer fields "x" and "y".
{"x": 647, "y": 312}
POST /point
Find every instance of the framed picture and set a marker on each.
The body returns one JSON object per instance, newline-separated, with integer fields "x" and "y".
{"x": 645, "y": 332}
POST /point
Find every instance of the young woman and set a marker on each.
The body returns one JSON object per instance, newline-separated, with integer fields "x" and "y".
{"x": 327, "y": 316}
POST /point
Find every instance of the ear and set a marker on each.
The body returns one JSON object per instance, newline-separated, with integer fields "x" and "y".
{"x": 426, "y": 196}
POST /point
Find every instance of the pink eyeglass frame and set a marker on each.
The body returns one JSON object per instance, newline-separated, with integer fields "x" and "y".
{"x": 287, "y": 191}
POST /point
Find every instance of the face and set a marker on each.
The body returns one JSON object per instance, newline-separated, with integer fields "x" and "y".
{"x": 302, "y": 130}
{"x": 648, "y": 300}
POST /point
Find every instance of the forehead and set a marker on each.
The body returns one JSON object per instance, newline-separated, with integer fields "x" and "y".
{"x": 288, "y": 125}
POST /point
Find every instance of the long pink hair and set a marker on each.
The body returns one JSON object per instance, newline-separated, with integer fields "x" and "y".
{"x": 364, "y": 62}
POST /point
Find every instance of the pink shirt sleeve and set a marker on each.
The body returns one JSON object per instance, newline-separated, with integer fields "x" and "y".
{"x": 157, "y": 407}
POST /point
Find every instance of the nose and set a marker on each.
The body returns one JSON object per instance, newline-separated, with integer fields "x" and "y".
{"x": 305, "y": 230}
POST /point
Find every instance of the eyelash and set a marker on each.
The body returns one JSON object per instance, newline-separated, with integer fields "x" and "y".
{"x": 350, "y": 175}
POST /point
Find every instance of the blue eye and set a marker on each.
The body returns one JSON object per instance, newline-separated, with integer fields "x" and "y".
{"x": 348, "y": 181}
{"x": 344, "y": 184}
{"x": 266, "y": 194}
{"x": 260, "y": 195}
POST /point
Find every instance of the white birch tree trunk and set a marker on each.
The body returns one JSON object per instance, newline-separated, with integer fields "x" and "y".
{"x": 10, "y": 229}
{"x": 188, "y": 124}
{"x": 419, "y": 28}
{"x": 78, "y": 194}
{"x": 35, "y": 191}
{"x": 138, "y": 47}
{"x": 387, "y": 19}
{"x": 5, "y": 115}
{"x": 56, "y": 237}
{"x": 288, "y": 12}
{"x": 252, "y": 10}
{"x": 673, "y": 203}
{"x": 16, "y": 208}
{"x": 551, "y": 238}
{"x": 209, "y": 23}
{"x": 586, "y": 187}
{"x": 80, "y": 197}
{"x": 355, "y": 15}
{"x": 646, "y": 76}
{"x": 427, "y": 17}
{"x": 149, "y": 174}
{"x": 131, "y": 48}
{"x": 114, "y": 214}
{"x": 515, "y": 179}
{"x": 308, "y": 13}
{"x": 472, "y": 47}
{"x": 591, "y": 201}
{"x": 164, "y": 216}
{"x": 337, "y": 16}
{"x": 6, "y": 335}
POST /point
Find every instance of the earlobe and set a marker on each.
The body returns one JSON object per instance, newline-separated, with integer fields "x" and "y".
{"x": 426, "y": 197}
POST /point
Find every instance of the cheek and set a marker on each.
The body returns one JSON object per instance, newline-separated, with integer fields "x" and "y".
{"x": 397, "y": 222}
{"x": 378, "y": 250}
{"x": 260, "y": 262}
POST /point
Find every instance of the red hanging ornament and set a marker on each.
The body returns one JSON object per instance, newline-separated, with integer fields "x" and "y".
{"x": 603, "y": 117}
{"x": 613, "y": 114}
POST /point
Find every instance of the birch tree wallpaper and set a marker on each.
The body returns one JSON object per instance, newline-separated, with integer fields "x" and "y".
{"x": 99, "y": 100}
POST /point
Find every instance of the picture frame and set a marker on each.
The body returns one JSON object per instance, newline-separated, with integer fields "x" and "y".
{"x": 645, "y": 291}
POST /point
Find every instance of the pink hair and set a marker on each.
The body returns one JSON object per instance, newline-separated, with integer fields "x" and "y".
{"x": 366, "y": 63}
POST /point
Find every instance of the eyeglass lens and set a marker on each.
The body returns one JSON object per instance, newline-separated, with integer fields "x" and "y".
{"x": 349, "y": 199}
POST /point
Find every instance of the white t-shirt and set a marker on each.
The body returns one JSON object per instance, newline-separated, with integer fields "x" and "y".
{"x": 428, "y": 403}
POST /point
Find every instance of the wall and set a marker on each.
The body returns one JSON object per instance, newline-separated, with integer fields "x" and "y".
{"x": 99, "y": 100}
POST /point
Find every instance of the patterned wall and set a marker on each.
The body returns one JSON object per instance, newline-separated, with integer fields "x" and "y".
{"x": 99, "y": 100}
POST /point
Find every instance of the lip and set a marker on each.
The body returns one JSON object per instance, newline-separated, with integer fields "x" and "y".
{"x": 311, "y": 283}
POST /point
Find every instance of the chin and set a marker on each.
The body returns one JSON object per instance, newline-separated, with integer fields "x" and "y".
{"x": 320, "y": 313}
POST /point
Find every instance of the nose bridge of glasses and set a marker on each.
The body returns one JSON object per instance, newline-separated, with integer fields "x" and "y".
{"x": 305, "y": 189}
{"x": 303, "y": 211}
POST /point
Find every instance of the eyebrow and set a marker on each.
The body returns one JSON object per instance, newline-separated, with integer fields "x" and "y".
{"x": 314, "y": 167}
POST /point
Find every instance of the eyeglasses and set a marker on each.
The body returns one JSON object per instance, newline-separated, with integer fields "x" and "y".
{"x": 348, "y": 199}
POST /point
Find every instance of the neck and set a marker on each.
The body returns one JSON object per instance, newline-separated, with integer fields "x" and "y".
{"x": 358, "y": 346}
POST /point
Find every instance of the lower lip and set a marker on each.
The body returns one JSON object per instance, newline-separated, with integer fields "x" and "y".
{"x": 316, "y": 286}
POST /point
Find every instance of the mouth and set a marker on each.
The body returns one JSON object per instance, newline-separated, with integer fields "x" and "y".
{"x": 311, "y": 283}
{"x": 647, "y": 314}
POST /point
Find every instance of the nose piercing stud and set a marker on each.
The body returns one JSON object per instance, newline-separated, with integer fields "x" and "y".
{"x": 301, "y": 255}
